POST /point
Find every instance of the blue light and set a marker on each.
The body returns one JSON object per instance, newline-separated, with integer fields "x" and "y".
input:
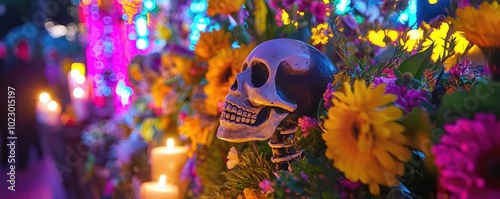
{"x": 198, "y": 7}
{"x": 409, "y": 16}
{"x": 341, "y": 6}
{"x": 106, "y": 91}
{"x": 201, "y": 22}
{"x": 132, "y": 36}
{"x": 142, "y": 43}
{"x": 149, "y": 5}
{"x": 403, "y": 18}
{"x": 142, "y": 26}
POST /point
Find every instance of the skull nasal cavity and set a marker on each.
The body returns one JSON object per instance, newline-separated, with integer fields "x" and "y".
{"x": 260, "y": 73}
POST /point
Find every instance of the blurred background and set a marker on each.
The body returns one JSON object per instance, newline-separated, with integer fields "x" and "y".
{"x": 41, "y": 41}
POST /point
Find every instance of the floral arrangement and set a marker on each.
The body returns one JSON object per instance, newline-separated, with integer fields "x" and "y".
{"x": 378, "y": 133}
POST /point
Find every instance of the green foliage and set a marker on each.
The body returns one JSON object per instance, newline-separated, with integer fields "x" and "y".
{"x": 416, "y": 64}
{"x": 211, "y": 162}
{"x": 464, "y": 104}
{"x": 252, "y": 169}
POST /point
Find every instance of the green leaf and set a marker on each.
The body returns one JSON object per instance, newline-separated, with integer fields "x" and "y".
{"x": 416, "y": 64}
{"x": 464, "y": 104}
{"x": 397, "y": 73}
{"x": 418, "y": 128}
{"x": 327, "y": 195}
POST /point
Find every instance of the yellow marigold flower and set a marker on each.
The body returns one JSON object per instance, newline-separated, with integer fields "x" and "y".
{"x": 480, "y": 25}
{"x": 163, "y": 32}
{"x": 221, "y": 73}
{"x": 224, "y": 7}
{"x": 253, "y": 194}
{"x": 260, "y": 13}
{"x": 382, "y": 37}
{"x": 135, "y": 72}
{"x": 363, "y": 137}
{"x": 210, "y": 42}
{"x": 232, "y": 158}
{"x": 147, "y": 129}
{"x": 158, "y": 91}
{"x": 240, "y": 54}
{"x": 193, "y": 130}
{"x": 437, "y": 37}
{"x": 321, "y": 34}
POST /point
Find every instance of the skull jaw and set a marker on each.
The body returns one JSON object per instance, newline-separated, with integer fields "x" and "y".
{"x": 237, "y": 132}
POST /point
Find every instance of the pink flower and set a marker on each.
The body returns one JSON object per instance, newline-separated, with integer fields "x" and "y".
{"x": 266, "y": 186}
{"x": 327, "y": 96}
{"x": 468, "y": 157}
{"x": 307, "y": 125}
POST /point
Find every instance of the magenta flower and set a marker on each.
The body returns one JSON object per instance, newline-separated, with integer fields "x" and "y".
{"x": 266, "y": 186}
{"x": 307, "y": 125}
{"x": 318, "y": 10}
{"x": 468, "y": 157}
{"x": 350, "y": 184}
{"x": 327, "y": 96}
{"x": 464, "y": 69}
{"x": 407, "y": 98}
{"x": 109, "y": 188}
{"x": 463, "y": 3}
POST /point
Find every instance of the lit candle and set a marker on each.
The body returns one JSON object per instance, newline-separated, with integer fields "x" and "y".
{"x": 159, "y": 190}
{"x": 80, "y": 103}
{"x": 168, "y": 160}
{"x": 47, "y": 111}
{"x": 78, "y": 87}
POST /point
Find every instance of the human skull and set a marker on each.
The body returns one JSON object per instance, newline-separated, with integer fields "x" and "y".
{"x": 282, "y": 80}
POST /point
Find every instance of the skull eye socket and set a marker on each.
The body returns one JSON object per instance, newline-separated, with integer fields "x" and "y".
{"x": 259, "y": 74}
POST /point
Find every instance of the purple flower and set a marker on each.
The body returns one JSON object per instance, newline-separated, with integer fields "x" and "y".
{"x": 304, "y": 175}
{"x": 407, "y": 98}
{"x": 266, "y": 186}
{"x": 307, "y": 125}
{"x": 350, "y": 184}
{"x": 327, "y": 96}
{"x": 286, "y": 4}
{"x": 463, "y": 3}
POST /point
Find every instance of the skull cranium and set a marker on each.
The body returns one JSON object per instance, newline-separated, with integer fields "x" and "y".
{"x": 281, "y": 80}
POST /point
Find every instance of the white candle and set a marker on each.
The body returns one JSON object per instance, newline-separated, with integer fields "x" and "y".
{"x": 80, "y": 103}
{"x": 47, "y": 111}
{"x": 168, "y": 160}
{"x": 78, "y": 87}
{"x": 159, "y": 190}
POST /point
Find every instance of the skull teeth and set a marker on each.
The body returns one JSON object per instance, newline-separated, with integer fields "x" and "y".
{"x": 233, "y": 113}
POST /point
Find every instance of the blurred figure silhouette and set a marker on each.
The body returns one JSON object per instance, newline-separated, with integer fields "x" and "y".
{"x": 23, "y": 73}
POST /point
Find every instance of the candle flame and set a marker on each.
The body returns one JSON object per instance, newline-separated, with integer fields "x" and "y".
{"x": 79, "y": 68}
{"x": 75, "y": 74}
{"x": 44, "y": 97}
{"x": 170, "y": 143}
{"x": 79, "y": 79}
{"x": 52, "y": 105}
{"x": 162, "y": 180}
{"x": 78, "y": 92}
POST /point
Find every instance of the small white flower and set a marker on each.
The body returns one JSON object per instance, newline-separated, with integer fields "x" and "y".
{"x": 232, "y": 158}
